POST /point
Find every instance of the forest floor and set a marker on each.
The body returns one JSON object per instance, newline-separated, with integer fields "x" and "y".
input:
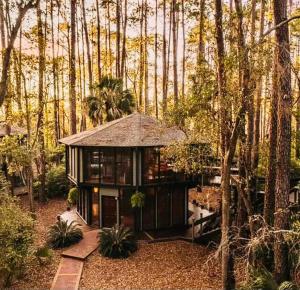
{"x": 36, "y": 276}
{"x": 175, "y": 264}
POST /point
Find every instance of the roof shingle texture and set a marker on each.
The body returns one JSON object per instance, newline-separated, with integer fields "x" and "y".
{"x": 135, "y": 130}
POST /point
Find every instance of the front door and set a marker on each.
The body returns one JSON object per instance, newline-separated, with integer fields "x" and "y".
{"x": 109, "y": 211}
{"x": 95, "y": 207}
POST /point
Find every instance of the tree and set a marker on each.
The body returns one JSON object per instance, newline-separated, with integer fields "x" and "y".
{"x": 283, "y": 66}
{"x": 72, "y": 70}
{"x": 23, "y": 8}
{"x": 41, "y": 102}
{"x": 112, "y": 100}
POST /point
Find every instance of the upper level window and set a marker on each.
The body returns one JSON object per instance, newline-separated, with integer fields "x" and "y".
{"x": 156, "y": 168}
{"x": 107, "y": 166}
{"x": 123, "y": 166}
{"x": 151, "y": 165}
{"x": 165, "y": 170}
{"x": 92, "y": 170}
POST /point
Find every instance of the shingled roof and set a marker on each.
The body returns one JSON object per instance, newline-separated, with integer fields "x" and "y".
{"x": 11, "y": 130}
{"x": 135, "y": 130}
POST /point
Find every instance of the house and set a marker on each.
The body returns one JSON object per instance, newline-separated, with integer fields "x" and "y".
{"x": 111, "y": 162}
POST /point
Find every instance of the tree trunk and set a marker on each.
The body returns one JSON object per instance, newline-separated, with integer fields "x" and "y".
{"x": 175, "y": 73}
{"x": 256, "y": 138}
{"x": 282, "y": 214}
{"x": 155, "y": 61}
{"x": 72, "y": 97}
{"x": 88, "y": 49}
{"x": 142, "y": 62}
{"x": 146, "y": 72}
{"x": 41, "y": 102}
{"x": 164, "y": 57}
{"x": 54, "y": 75}
{"x": 118, "y": 39}
{"x": 269, "y": 199}
{"x": 98, "y": 41}
{"x": 123, "y": 61}
{"x": 183, "y": 49}
{"x": 201, "y": 31}
{"x": 228, "y": 149}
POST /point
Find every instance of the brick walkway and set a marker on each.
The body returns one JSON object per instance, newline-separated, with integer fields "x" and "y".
{"x": 70, "y": 268}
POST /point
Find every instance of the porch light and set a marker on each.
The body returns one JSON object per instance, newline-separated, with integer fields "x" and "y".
{"x": 95, "y": 189}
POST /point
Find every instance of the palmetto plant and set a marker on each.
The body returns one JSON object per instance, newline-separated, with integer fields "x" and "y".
{"x": 117, "y": 242}
{"x": 112, "y": 101}
{"x": 63, "y": 234}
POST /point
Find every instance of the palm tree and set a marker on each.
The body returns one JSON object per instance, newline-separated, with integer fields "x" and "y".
{"x": 112, "y": 101}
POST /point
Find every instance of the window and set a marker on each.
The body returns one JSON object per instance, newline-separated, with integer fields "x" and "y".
{"x": 165, "y": 170}
{"x": 92, "y": 168}
{"x": 107, "y": 166}
{"x": 123, "y": 166}
{"x": 151, "y": 165}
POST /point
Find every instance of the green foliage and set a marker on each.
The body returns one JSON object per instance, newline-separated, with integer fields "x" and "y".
{"x": 63, "y": 234}
{"x": 73, "y": 195}
{"x": 287, "y": 285}
{"x": 188, "y": 157}
{"x": 56, "y": 154}
{"x": 36, "y": 187}
{"x": 15, "y": 153}
{"x": 44, "y": 255}
{"x": 260, "y": 279}
{"x": 138, "y": 199}
{"x": 112, "y": 102}
{"x": 16, "y": 238}
{"x": 56, "y": 181}
{"x": 117, "y": 242}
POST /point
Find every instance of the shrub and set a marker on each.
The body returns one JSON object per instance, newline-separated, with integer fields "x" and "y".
{"x": 73, "y": 195}
{"x": 44, "y": 255}
{"x": 16, "y": 238}
{"x": 260, "y": 279}
{"x": 117, "y": 242}
{"x": 138, "y": 199}
{"x": 287, "y": 285}
{"x": 62, "y": 234}
{"x": 36, "y": 187}
{"x": 56, "y": 182}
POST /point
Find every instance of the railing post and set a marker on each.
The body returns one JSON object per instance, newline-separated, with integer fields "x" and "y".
{"x": 193, "y": 229}
{"x": 201, "y": 227}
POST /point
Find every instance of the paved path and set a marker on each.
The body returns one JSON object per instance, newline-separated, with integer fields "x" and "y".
{"x": 69, "y": 270}
{"x": 85, "y": 247}
{"x": 68, "y": 274}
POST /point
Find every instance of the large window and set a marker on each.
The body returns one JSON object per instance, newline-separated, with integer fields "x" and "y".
{"x": 123, "y": 166}
{"x": 151, "y": 165}
{"x": 108, "y": 166}
{"x": 92, "y": 170}
{"x": 155, "y": 167}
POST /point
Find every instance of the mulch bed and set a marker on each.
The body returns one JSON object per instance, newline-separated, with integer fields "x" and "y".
{"x": 175, "y": 264}
{"x": 36, "y": 276}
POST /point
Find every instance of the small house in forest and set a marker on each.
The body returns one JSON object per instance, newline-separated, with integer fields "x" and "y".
{"x": 111, "y": 162}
